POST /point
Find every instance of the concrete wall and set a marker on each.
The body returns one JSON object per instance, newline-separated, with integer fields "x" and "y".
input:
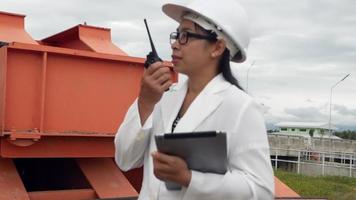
{"x": 315, "y": 144}
{"x": 317, "y": 170}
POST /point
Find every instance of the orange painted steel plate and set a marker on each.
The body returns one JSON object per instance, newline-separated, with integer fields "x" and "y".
{"x": 106, "y": 178}
{"x": 61, "y": 91}
{"x": 75, "y": 194}
{"x": 12, "y": 28}
{"x": 60, "y": 147}
{"x": 85, "y": 37}
{"x": 3, "y": 64}
{"x": 135, "y": 177}
{"x": 282, "y": 190}
{"x": 11, "y": 186}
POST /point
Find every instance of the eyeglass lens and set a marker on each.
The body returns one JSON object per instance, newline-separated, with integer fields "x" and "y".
{"x": 181, "y": 36}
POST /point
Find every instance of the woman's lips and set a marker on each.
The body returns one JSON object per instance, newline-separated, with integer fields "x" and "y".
{"x": 176, "y": 59}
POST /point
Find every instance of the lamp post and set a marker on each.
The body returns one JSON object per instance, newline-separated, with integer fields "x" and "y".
{"x": 331, "y": 93}
{"x": 248, "y": 71}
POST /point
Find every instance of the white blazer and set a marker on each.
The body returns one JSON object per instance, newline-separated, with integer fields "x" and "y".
{"x": 220, "y": 106}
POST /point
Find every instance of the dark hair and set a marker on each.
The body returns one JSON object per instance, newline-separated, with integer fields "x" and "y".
{"x": 224, "y": 62}
{"x": 225, "y": 69}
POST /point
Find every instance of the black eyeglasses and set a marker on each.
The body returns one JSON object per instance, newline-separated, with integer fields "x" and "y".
{"x": 183, "y": 37}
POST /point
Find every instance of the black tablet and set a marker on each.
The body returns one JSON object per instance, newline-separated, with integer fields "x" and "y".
{"x": 203, "y": 151}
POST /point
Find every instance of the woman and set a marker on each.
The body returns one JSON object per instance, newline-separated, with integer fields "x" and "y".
{"x": 210, "y": 34}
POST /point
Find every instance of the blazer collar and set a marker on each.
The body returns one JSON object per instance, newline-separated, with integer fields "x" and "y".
{"x": 202, "y": 106}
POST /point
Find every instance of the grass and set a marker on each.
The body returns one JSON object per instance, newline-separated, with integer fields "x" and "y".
{"x": 331, "y": 187}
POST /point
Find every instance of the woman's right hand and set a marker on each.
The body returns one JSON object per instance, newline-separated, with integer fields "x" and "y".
{"x": 155, "y": 81}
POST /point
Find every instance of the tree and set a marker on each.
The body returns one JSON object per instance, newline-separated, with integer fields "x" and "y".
{"x": 347, "y": 134}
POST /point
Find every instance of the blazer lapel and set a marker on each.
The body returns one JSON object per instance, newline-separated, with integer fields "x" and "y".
{"x": 199, "y": 110}
{"x": 203, "y": 105}
{"x": 172, "y": 102}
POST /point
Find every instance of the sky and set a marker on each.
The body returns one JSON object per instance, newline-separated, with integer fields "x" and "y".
{"x": 298, "y": 49}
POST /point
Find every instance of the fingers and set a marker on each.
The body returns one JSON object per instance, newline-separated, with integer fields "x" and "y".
{"x": 156, "y": 86}
{"x": 161, "y": 79}
{"x": 154, "y": 67}
{"x": 166, "y": 85}
{"x": 155, "y": 81}
{"x": 172, "y": 168}
{"x": 163, "y": 158}
{"x": 157, "y": 70}
{"x": 158, "y": 77}
{"x": 167, "y": 164}
{"x": 163, "y": 166}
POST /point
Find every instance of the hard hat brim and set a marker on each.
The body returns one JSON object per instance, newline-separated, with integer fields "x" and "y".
{"x": 176, "y": 12}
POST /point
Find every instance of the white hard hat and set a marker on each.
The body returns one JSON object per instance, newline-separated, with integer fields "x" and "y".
{"x": 226, "y": 18}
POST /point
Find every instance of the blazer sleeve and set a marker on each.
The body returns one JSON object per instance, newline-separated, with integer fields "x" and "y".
{"x": 132, "y": 139}
{"x": 249, "y": 175}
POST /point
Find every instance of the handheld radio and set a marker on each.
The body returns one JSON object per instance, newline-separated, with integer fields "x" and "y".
{"x": 152, "y": 57}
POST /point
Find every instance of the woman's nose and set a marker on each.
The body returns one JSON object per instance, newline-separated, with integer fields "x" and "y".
{"x": 175, "y": 45}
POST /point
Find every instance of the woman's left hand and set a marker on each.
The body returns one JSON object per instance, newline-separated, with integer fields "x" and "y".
{"x": 171, "y": 168}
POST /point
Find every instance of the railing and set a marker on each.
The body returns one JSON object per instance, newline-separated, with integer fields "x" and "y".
{"x": 316, "y": 162}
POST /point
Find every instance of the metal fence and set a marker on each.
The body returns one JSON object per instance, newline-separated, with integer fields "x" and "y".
{"x": 315, "y": 162}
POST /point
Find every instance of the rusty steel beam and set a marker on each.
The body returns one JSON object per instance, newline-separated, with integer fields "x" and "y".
{"x": 59, "y": 147}
{"x": 106, "y": 178}
{"x": 75, "y": 194}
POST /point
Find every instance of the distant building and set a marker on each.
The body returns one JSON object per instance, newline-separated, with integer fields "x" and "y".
{"x": 305, "y": 129}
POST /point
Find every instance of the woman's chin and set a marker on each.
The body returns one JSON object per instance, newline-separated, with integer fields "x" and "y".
{"x": 176, "y": 67}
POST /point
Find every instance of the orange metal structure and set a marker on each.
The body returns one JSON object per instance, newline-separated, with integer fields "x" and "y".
{"x": 283, "y": 191}
{"x": 12, "y": 28}
{"x": 61, "y": 102}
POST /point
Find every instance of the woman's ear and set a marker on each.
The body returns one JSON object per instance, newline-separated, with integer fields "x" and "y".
{"x": 219, "y": 48}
